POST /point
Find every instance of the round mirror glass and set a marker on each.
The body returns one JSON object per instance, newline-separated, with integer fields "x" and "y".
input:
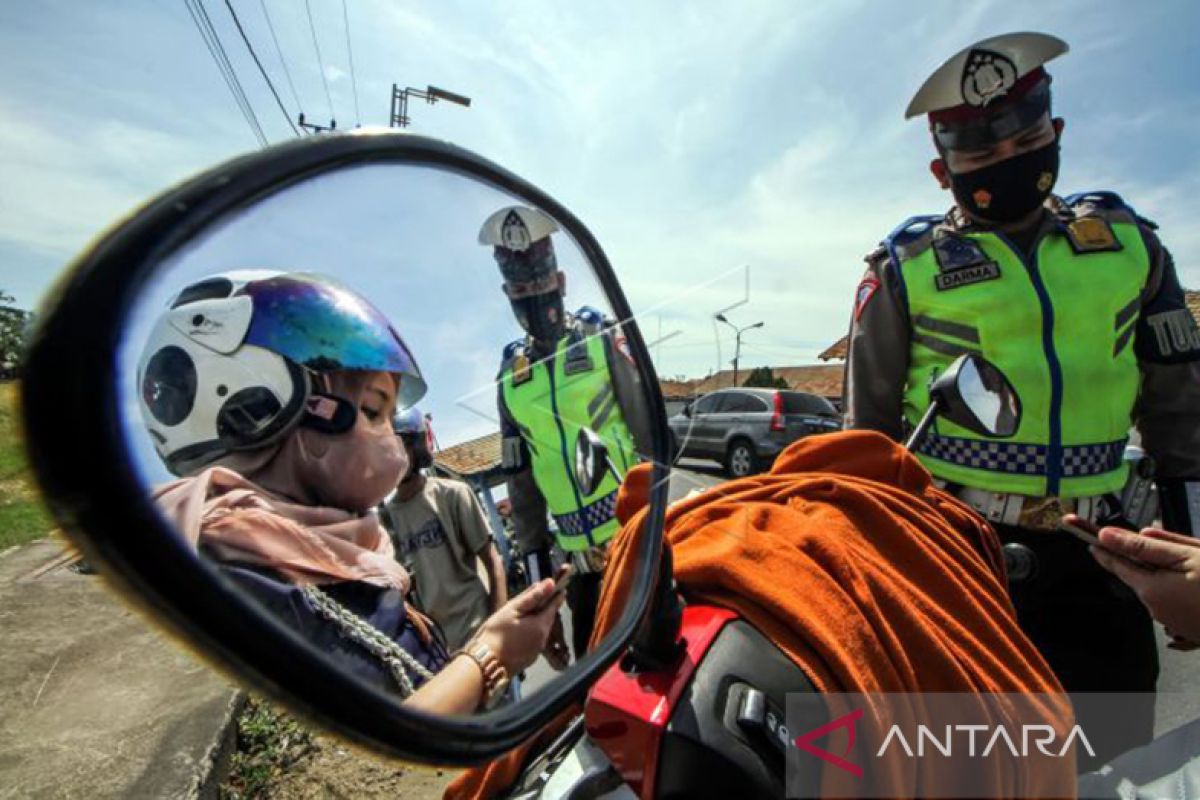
{"x": 358, "y": 400}
{"x": 987, "y": 394}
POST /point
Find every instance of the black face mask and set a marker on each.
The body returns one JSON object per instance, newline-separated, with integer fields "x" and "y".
{"x": 541, "y": 315}
{"x": 1009, "y": 189}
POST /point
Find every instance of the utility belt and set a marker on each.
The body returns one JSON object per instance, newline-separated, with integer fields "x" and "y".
{"x": 1031, "y": 513}
{"x": 593, "y": 559}
{"x": 1136, "y": 506}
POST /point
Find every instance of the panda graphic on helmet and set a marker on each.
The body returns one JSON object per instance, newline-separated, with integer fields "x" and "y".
{"x": 230, "y": 365}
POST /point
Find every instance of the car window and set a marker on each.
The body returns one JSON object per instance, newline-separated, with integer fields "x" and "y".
{"x": 802, "y": 403}
{"x": 737, "y": 402}
{"x": 706, "y": 404}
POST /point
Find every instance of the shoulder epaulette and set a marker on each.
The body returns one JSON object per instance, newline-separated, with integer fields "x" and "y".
{"x": 911, "y": 237}
{"x": 1107, "y": 201}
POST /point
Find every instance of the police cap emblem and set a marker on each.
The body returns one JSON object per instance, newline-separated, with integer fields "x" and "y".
{"x": 987, "y": 76}
{"x": 514, "y": 233}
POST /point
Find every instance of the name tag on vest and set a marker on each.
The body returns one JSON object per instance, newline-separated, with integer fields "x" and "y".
{"x": 965, "y": 276}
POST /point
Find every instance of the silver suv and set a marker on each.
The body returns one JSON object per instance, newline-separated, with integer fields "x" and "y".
{"x": 746, "y": 428}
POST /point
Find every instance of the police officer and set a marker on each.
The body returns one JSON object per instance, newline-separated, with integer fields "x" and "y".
{"x": 568, "y": 372}
{"x": 1077, "y": 301}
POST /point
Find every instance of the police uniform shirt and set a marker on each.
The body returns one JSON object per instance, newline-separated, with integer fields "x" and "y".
{"x": 1167, "y": 413}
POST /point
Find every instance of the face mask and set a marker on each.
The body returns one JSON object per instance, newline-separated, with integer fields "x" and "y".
{"x": 1010, "y": 189}
{"x": 357, "y": 469}
{"x": 541, "y": 315}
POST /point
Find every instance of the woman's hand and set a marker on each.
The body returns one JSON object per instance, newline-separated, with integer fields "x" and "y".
{"x": 1163, "y": 568}
{"x": 517, "y": 633}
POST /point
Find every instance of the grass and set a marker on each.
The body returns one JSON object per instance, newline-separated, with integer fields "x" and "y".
{"x": 268, "y": 742}
{"x": 22, "y": 516}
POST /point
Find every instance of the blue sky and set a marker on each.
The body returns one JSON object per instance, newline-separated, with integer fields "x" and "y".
{"x": 691, "y": 138}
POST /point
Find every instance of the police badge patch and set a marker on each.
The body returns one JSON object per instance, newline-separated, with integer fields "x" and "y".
{"x": 521, "y": 371}
{"x": 865, "y": 291}
{"x": 1091, "y": 235}
{"x": 956, "y": 252}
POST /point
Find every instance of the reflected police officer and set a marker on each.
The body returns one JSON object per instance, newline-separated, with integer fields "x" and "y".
{"x": 569, "y": 371}
{"x": 1076, "y": 300}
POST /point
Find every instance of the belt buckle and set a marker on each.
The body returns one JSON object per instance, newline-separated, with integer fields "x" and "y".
{"x": 1044, "y": 513}
{"x": 593, "y": 559}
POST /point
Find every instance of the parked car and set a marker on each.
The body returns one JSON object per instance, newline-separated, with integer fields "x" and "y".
{"x": 745, "y": 429}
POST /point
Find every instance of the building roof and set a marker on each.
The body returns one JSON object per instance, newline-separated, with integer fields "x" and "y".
{"x": 835, "y": 350}
{"x": 820, "y": 379}
{"x": 475, "y": 457}
{"x": 1193, "y": 303}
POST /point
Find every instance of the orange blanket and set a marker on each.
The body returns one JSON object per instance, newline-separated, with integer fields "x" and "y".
{"x": 852, "y": 562}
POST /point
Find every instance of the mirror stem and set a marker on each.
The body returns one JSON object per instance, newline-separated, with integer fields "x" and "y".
{"x": 657, "y": 645}
{"x": 923, "y": 426}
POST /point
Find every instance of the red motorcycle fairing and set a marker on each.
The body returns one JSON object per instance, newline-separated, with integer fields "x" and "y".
{"x": 627, "y": 713}
{"x": 711, "y": 726}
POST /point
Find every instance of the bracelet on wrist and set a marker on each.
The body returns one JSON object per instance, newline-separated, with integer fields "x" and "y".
{"x": 495, "y": 676}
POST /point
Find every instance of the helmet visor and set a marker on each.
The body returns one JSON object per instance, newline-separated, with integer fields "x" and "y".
{"x": 323, "y": 326}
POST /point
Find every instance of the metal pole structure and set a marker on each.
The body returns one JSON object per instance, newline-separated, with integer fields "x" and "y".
{"x": 430, "y": 94}
{"x": 737, "y": 349}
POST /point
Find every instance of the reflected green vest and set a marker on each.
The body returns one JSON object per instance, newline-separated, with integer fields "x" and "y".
{"x": 550, "y": 401}
{"x": 1060, "y": 327}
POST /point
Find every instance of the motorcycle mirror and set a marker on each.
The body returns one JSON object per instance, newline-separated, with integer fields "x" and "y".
{"x": 976, "y": 395}
{"x": 591, "y": 460}
{"x": 244, "y": 339}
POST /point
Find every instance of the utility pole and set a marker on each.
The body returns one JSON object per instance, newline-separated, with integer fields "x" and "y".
{"x": 430, "y": 94}
{"x": 737, "y": 349}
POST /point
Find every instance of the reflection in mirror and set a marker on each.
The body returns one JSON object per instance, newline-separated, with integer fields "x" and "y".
{"x": 592, "y": 462}
{"x": 358, "y": 399}
{"x": 988, "y": 396}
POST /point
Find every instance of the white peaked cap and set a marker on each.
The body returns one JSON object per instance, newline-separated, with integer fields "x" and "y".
{"x": 984, "y": 72}
{"x": 516, "y": 227}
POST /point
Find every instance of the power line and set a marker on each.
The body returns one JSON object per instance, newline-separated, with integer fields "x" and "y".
{"x": 209, "y": 34}
{"x": 236, "y": 83}
{"x": 286, "y": 72}
{"x": 258, "y": 63}
{"x": 350, "y": 52}
{"x": 320, "y": 63}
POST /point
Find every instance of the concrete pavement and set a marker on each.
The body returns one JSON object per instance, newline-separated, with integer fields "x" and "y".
{"x": 95, "y": 703}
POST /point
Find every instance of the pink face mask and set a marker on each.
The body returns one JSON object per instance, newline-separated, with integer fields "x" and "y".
{"x": 357, "y": 469}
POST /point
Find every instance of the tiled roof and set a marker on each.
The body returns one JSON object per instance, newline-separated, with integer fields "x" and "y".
{"x": 1193, "y": 303}
{"x": 821, "y": 379}
{"x": 473, "y": 457}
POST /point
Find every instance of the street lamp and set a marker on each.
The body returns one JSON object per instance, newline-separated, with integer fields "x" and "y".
{"x": 737, "y": 350}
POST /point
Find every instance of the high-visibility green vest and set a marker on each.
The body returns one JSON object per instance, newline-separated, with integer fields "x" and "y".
{"x": 550, "y": 400}
{"x": 1060, "y": 326}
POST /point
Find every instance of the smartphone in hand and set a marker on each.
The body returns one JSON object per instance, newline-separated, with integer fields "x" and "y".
{"x": 1084, "y": 530}
{"x": 1088, "y": 532}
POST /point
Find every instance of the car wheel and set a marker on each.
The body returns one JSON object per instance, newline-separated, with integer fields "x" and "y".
{"x": 740, "y": 459}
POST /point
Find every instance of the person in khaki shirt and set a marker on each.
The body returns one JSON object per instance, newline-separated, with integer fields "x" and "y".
{"x": 442, "y": 537}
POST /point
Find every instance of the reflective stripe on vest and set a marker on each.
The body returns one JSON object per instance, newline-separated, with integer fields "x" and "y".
{"x": 563, "y": 393}
{"x": 1058, "y": 328}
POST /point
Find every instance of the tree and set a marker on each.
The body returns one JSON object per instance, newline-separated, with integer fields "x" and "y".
{"x": 763, "y": 377}
{"x": 14, "y": 322}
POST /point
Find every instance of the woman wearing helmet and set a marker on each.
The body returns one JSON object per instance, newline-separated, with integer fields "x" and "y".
{"x": 271, "y": 395}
